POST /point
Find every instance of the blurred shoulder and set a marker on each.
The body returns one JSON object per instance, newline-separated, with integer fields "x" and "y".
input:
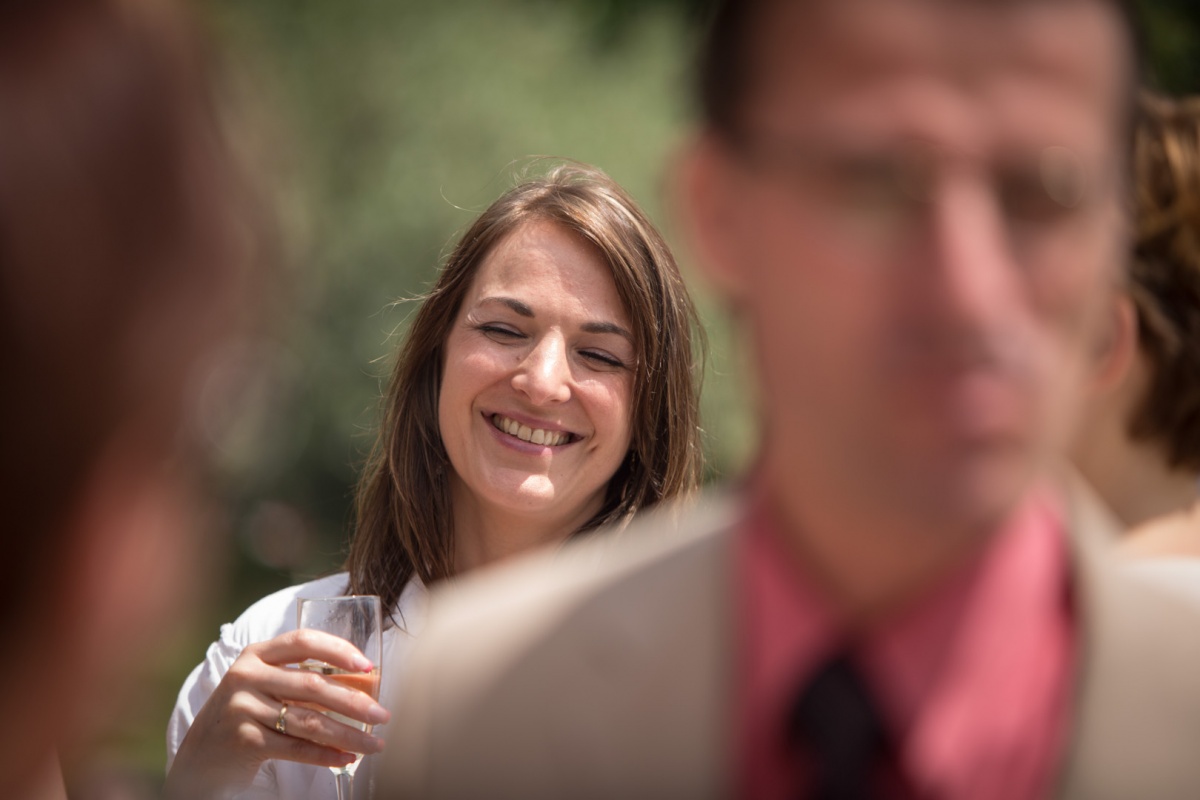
{"x": 595, "y": 670}
{"x": 1176, "y": 577}
{"x": 535, "y": 590}
{"x": 1139, "y": 713}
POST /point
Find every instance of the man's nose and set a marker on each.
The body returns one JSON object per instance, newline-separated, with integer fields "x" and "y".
{"x": 544, "y": 376}
{"x": 970, "y": 272}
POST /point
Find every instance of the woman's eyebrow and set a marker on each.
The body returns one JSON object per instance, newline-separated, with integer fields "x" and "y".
{"x": 526, "y": 311}
{"x": 516, "y": 305}
{"x": 605, "y": 327}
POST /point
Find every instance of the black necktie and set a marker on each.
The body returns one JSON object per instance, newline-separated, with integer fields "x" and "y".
{"x": 836, "y": 723}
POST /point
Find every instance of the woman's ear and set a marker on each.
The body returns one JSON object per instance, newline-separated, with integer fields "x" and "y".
{"x": 1117, "y": 346}
{"x": 706, "y": 198}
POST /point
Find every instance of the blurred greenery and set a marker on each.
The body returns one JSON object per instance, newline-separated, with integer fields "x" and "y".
{"x": 384, "y": 126}
{"x": 1172, "y": 33}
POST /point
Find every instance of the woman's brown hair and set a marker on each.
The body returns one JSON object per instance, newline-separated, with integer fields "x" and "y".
{"x": 405, "y": 525}
{"x": 1165, "y": 275}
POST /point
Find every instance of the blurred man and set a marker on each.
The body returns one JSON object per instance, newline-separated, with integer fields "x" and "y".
{"x": 125, "y": 237}
{"x": 914, "y": 207}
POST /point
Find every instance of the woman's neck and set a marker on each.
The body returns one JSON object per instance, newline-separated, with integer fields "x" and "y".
{"x": 1132, "y": 476}
{"x": 1167, "y": 536}
{"x": 478, "y": 543}
{"x": 485, "y": 534}
{"x": 1146, "y": 496}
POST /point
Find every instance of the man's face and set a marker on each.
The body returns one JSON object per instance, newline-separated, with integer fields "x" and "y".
{"x": 919, "y": 222}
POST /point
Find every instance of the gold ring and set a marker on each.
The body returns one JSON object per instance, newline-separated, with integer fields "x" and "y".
{"x": 281, "y": 723}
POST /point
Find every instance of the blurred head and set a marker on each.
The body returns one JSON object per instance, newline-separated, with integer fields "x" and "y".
{"x": 571, "y": 231}
{"x": 123, "y": 244}
{"x": 1164, "y": 282}
{"x": 916, "y": 207}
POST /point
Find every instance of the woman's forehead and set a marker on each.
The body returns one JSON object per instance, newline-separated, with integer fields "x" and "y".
{"x": 542, "y": 262}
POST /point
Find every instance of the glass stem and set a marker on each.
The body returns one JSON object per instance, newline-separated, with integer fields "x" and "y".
{"x": 345, "y": 785}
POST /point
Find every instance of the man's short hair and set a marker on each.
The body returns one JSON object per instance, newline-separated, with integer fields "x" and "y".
{"x": 725, "y": 60}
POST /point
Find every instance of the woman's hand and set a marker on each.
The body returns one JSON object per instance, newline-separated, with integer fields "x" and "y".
{"x": 234, "y": 732}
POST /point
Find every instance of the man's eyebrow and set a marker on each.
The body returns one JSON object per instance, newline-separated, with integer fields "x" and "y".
{"x": 526, "y": 311}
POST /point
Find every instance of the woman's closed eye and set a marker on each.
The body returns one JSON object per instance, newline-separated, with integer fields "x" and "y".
{"x": 499, "y": 332}
{"x": 603, "y": 358}
{"x": 504, "y": 333}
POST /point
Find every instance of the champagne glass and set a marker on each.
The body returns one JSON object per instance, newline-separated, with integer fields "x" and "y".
{"x": 359, "y": 620}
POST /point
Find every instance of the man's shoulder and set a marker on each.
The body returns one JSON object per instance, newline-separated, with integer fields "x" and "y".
{"x": 1139, "y": 715}
{"x": 530, "y": 591}
{"x": 1177, "y": 578}
{"x": 612, "y": 654}
{"x": 1151, "y": 605}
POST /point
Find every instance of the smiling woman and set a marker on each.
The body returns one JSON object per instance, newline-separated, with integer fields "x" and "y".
{"x": 547, "y": 387}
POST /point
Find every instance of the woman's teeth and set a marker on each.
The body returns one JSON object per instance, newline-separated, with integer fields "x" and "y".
{"x": 527, "y": 434}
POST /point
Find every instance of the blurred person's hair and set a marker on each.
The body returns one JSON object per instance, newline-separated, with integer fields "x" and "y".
{"x": 725, "y": 63}
{"x": 1164, "y": 281}
{"x": 124, "y": 239}
{"x": 404, "y": 523}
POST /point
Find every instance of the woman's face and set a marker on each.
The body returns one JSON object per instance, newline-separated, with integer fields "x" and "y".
{"x": 537, "y": 383}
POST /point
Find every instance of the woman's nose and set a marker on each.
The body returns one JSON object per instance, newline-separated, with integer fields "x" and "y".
{"x": 544, "y": 376}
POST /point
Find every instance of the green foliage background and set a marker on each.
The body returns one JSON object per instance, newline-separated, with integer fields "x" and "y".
{"x": 384, "y": 126}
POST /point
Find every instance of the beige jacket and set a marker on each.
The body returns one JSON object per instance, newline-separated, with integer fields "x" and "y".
{"x": 603, "y": 671}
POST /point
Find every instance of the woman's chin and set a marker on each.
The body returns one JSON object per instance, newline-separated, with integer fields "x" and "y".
{"x": 539, "y": 497}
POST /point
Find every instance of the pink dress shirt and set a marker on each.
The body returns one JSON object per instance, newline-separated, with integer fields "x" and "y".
{"x": 973, "y": 679}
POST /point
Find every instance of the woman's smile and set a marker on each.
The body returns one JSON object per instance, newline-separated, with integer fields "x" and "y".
{"x": 534, "y": 435}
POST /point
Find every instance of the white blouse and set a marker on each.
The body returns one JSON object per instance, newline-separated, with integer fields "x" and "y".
{"x": 266, "y": 619}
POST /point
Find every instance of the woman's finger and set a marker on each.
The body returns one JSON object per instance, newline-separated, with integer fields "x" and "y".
{"x": 307, "y": 644}
{"x": 314, "y": 690}
{"x": 299, "y": 722}
{"x": 308, "y": 725}
{"x": 292, "y": 748}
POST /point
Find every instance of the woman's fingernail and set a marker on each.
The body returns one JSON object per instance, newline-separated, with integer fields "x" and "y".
{"x": 377, "y": 714}
{"x": 362, "y": 664}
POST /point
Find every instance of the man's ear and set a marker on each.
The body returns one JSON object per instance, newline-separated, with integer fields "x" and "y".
{"x": 1117, "y": 346}
{"x": 706, "y": 194}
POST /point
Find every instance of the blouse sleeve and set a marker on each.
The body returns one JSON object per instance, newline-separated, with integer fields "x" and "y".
{"x": 194, "y": 693}
{"x": 199, "y": 686}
